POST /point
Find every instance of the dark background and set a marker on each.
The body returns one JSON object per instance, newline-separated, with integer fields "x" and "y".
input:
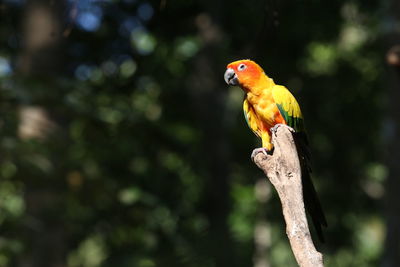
{"x": 121, "y": 145}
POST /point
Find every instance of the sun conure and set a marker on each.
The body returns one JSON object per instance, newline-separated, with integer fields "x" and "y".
{"x": 267, "y": 104}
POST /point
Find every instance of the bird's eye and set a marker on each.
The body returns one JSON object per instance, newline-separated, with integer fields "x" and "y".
{"x": 242, "y": 67}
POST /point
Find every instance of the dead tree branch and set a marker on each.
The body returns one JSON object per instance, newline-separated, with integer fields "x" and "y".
{"x": 283, "y": 170}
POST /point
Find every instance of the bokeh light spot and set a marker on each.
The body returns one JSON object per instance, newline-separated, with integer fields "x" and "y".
{"x": 145, "y": 11}
{"x": 88, "y": 21}
{"x": 5, "y": 67}
{"x": 143, "y": 41}
{"x": 83, "y": 72}
{"x": 128, "y": 68}
{"x": 129, "y": 24}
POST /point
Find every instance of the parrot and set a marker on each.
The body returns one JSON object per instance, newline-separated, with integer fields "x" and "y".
{"x": 266, "y": 105}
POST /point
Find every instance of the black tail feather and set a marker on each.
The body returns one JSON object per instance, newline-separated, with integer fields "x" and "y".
{"x": 311, "y": 201}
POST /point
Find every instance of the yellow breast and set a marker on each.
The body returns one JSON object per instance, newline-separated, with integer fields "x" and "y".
{"x": 265, "y": 107}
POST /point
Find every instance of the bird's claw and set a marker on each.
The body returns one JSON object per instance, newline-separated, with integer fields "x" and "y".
{"x": 275, "y": 128}
{"x": 258, "y": 150}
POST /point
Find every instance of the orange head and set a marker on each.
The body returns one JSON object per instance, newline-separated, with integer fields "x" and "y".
{"x": 245, "y": 73}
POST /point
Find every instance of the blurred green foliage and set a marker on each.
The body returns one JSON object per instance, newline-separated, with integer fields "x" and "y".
{"x": 141, "y": 157}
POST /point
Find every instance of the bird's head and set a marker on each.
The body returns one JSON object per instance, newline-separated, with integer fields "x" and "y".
{"x": 244, "y": 73}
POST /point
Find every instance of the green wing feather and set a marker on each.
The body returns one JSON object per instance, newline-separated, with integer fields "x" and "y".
{"x": 288, "y": 107}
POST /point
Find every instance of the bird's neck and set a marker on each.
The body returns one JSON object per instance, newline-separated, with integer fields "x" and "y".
{"x": 257, "y": 86}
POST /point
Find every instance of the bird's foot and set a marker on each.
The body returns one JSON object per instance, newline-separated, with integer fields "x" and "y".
{"x": 275, "y": 128}
{"x": 259, "y": 150}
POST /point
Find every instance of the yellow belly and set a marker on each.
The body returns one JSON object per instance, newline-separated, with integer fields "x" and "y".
{"x": 263, "y": 114}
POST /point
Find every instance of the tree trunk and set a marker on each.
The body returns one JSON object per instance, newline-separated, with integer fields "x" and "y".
{"x": 41, "y": 60}
{"x": 209, "y": 102}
